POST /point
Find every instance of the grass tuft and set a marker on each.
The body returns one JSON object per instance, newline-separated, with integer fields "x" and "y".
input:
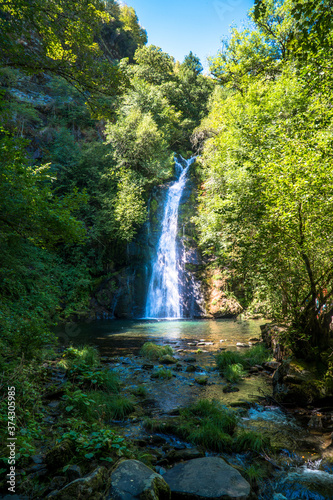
{"x": 162, "y": 374}
{"x": 234, "y": 373}
{"x": 141, "y": 391}
{"x": 153, "y": 352}
{"x": 111, "y": 408}
{"x": 211, "y": 438}
{"x": 204, "y": 411}
{"x": 257, "y": 355}
{"x": 227, "y": 358}
{"x": 251, "y": 441}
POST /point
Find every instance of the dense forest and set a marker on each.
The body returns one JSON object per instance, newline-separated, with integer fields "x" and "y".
{"x": 91, "y": 117}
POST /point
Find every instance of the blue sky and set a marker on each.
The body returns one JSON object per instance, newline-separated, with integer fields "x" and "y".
{"x": 178, "y": 26}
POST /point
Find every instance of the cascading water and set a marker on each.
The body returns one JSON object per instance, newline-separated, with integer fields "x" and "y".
{"x": 163, "y": 299}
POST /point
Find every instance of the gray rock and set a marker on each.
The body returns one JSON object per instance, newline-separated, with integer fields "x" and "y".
{"x": 132, "y": 479}
{"x": 209, "y": 477}
{"x": 185, "y": 454}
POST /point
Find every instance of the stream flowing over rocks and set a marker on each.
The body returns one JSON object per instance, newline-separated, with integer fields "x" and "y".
{"x": 299, "y": 465}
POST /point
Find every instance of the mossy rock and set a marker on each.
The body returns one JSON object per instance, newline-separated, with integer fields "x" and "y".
{"x": 133, "y": 479}
{"x": 94, "y": 485}
{"x": 167, "y": 359}
{"x": 60, "y": 455}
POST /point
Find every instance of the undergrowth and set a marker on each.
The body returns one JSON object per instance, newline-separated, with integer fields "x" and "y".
{"x": 212, "y": 426}
{"x": 256, "y": 355}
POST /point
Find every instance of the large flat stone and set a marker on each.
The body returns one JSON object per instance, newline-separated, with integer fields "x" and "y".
{"x": 206, "y": 478}
{"x": 134, "y": 480}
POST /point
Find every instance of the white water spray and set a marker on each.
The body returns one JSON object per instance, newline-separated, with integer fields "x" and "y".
{"x": 163, "y": 300}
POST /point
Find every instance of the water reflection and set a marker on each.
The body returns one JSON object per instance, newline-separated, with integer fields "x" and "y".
{"x": 128, "y": 336}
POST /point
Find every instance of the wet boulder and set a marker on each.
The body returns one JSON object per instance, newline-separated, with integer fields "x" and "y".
{"x": 134, "y": 480}
{"x": 207, "y": 478}
{"x": 307, "y": 484}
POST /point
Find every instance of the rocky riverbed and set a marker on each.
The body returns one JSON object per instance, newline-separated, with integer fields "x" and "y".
{"x": 182, "y": 428}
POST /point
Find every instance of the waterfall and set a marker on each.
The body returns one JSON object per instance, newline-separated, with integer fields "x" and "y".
{"x": 163, "y": 299}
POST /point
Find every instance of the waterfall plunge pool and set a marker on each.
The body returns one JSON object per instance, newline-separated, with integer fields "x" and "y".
{"x": 125, "y": 337}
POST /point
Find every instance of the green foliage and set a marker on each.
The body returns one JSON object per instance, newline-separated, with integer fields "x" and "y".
{"x": 233, "y": 363}
{"x": 101, "y": 443}
{"x": 251, "y": 441}
{"x": 265, "y": 207}
{"x": 192, "y": 63}
{"x": 207, "y": 423}
{"x": 82, "y": 365}
{"x": 59, "y": 39}
{"x": 162, "y": 373}
{"x": 257, "y": 355}
{"x": 86, "y": 355}
{"x": 227, "y": 358}
{"x": 33, "y": 222}
{"x": 234, "y": 372}
{"x": 152, "y": 351}
{"x": 153, "y": 65}
{"x": 218, "y": 415}
{"x": 255, "y": 473}
{"x": 211, "y": 438}
{"x": 109, "y": 407}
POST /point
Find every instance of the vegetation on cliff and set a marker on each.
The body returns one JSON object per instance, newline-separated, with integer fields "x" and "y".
{"x": 90, "y": 118}
{"x": 266, "y": 203}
